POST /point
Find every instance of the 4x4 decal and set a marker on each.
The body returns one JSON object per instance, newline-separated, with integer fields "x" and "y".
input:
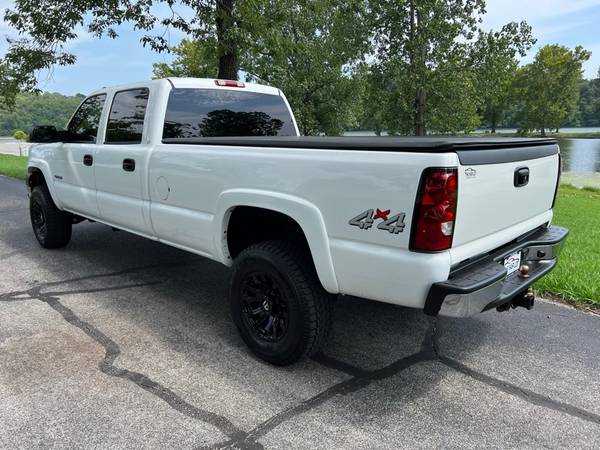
{"x": 365, "y": 220}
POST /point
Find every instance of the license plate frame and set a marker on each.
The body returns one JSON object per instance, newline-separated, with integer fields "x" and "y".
{"x": 512, "y": 262}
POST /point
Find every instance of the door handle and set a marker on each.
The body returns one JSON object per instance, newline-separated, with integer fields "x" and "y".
{"x": 128, "y": 165}
{"x": 88, "y": 160}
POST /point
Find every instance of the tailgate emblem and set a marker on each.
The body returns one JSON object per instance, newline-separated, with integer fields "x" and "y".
{"x": 470, "y": 172}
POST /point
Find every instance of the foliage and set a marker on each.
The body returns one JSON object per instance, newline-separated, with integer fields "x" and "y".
{"x": 46, "y": 28}
{"x": 311, "y": 50}
{"x": 37, "y": 109}
{"x": 549, "y": 87}
{"x": 193, "y": 59}
{"x": 402, "y": 66}
{"x": 20, "y": 135}
{"x": 494, "y": 57}
{"x": 421, "y": 50}
{"x": 588, "y": 106}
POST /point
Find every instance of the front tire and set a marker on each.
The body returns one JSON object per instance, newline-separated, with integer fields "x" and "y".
{"x": 278, "y": 304}
{"x": 51, "y": 226}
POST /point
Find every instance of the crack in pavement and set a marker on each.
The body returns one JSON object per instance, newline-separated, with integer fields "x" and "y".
{"x": 512, "y": 389}
{"x": 35, "y": 294}
{"x": 238, "y": 438}
{"x": 523, "y": 393}
{"x": 360, "y": 379}
{"x": 112, "y": 351}
{"x": 94, "y": 276}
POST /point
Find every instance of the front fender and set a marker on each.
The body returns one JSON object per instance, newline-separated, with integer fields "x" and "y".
{"x": 43, "y": 166}
{"x": 303, "y": 212}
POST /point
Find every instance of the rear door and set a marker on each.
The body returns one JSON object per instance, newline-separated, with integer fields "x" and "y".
{"x": 121, "y": 163}
{"x": 74, "y": 176}
{"x": 495, "y": 196}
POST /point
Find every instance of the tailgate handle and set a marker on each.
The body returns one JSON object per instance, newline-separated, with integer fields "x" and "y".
{"x": 521, "y": 176}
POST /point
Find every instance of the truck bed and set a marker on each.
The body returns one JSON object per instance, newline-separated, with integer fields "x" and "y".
{"x": 375, "y": 143}
{"x": 471, "y": 151}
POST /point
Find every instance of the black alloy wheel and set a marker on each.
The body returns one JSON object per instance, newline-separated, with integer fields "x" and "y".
{"x": 277, "y": 302}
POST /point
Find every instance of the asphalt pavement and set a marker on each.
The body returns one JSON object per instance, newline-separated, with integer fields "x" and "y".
{"x": 117, "y": 341}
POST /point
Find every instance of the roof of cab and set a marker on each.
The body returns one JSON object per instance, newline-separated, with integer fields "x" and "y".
{"x": 190, "y": 83}
{"x": 209, "y": 83}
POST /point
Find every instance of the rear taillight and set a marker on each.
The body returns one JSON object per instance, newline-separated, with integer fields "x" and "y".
{"x": 435, "y": 210}
{"x": 230, "y": 83}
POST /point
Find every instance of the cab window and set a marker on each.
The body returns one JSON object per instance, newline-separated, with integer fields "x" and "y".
{"x": 126, "y": 118}
{"x": 83, "y": 127}
{"x": 195, "y": 113}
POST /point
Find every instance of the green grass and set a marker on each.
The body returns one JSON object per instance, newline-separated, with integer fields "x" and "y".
{"x": 577, "y": 277}
{"x": 13, "y": 166}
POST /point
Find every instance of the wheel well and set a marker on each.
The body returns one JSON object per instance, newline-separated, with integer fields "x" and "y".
{"x": 249, "y": 225}
{"x": 35, "y": 177}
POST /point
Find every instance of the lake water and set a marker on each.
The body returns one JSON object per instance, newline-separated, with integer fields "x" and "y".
{"x": 581, "y": 161}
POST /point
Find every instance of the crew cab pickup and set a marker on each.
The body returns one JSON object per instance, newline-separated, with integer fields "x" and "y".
{"x": 453, "y": 226}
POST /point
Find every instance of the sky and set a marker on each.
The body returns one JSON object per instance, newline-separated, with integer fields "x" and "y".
{"x": 106, "y": 62}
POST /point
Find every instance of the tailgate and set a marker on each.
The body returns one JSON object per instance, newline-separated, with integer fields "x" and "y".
{"x": 493, "y": 194}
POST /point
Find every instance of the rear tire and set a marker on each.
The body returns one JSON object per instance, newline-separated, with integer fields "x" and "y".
{"x": 51, "y": 226}
{"x": 278, "y": 304}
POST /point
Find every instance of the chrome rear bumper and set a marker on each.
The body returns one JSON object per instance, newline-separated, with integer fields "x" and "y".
{"x": 483, "y": 284}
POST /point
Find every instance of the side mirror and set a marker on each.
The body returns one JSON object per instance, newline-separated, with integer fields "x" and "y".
{"x": 44, "y": 134}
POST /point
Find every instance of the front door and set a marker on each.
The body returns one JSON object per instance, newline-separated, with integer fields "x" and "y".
{"x": 74, "y": 177}
{"x": 121, "y": 162}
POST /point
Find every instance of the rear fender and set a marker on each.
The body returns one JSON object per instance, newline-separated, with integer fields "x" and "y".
{"x": 303, "y": 212}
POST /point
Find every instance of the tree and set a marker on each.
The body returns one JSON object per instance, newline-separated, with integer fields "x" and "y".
{"x": 588, "y": 106}
{"x": 46, "y": 26}
{"x": 549, "y": 87}
{"x": 309, "y": 49}
{"x": 421, "y": 50}
{"x": 31, "y": 109}
{"x": 193, "y": 59}
{"x": 494, "y": 59}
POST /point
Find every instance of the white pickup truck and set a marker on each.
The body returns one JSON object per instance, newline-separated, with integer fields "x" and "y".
{"x": 451, "y": 226}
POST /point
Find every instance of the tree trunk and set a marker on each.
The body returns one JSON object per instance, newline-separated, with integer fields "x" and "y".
{"x": 227, "y": 47}
{"x": 419, "y": 68}
{"x": 493, "y": 121}
{"x": 543, "y": 131}
{"x": 420, "y": 113}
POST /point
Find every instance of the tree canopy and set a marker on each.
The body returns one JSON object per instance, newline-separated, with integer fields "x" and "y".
{"x": 548, "y": 88}
{"x": 494, "y": 55}
{"x": 37, "y": 109}
{"x": 400, "y": 66}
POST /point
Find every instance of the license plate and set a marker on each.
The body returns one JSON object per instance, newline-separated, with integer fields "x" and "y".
{"x": 512, "y": 262}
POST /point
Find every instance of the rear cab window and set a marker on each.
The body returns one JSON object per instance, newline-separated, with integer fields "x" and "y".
{"x": 126, "y": 118}
{"x": 197, "y": 112}
{"x": 83, "y": 126}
